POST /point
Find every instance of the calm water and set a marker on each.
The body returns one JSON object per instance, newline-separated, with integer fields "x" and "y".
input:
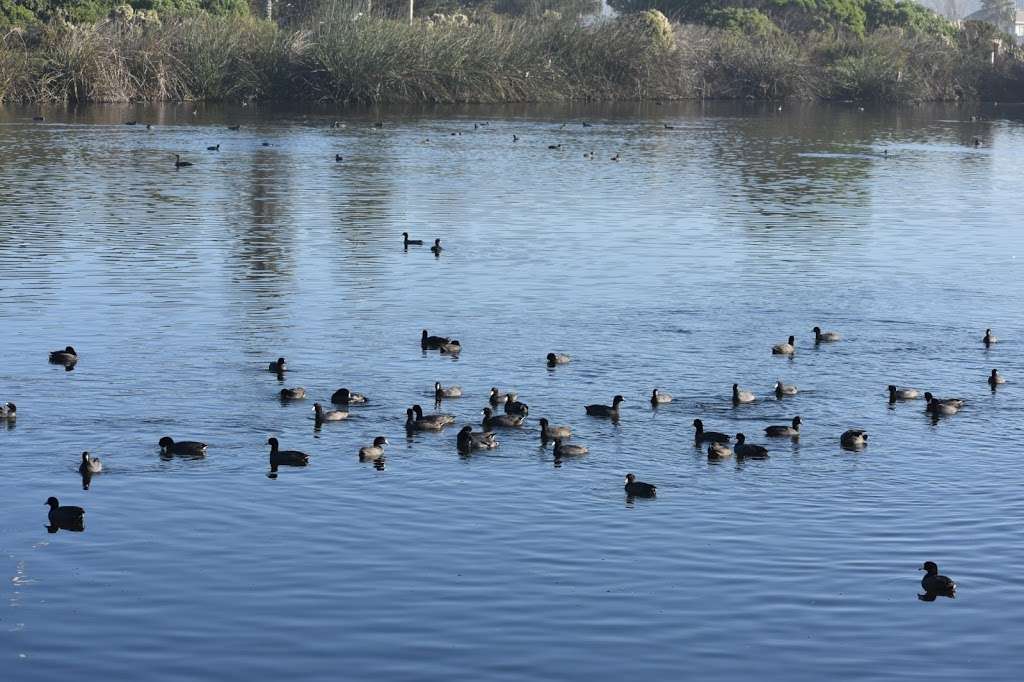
{"x": 677, "y": 267}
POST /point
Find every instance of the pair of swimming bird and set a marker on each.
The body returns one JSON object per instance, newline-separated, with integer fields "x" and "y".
{"x": 789, "y": 347}
{"x": 279, "y": 457}
{"x": 441, "y": 343}
{"x": 406, "y": 242}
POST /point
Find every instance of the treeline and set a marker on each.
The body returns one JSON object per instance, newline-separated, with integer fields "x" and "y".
{"x": 340, "y": 54}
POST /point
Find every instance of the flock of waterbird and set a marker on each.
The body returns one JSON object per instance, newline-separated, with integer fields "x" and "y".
{"x": 719, "y": 445}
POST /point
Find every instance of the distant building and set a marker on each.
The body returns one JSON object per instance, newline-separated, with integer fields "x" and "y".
{"x": 1014, "y": 28}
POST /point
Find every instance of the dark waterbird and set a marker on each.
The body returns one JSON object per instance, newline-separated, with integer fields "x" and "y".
{"x": 297, "y": 393}
{"x": 8, "y": 411}
{"x": 89, "y": 464}
{"x": 548, "y": 432}
{"x": 278, "y": 366}
{"x": 437, "y": 248}
{"x": 338, "y": 158}
{"x": 292, "y": 458}
{"x": 605, "y": 410}
{"x": 432, "y": 342}
{"x": 989, "y": 338}
{"x": 467, "y": 440}
{"x": 491, "y": 420}
{"x": 745, "y": 449}
{"x": 68, "y": 356}
{"x": 375, "y": 451}
{"x": 343, "y": 396}
{"x": 410, "y": 242}
{"x": 66, "y": 517}
{"x": 995, "y": 378}
{"x": 441, "y": 420}
{"x": 854, "y": 439}
{"x": 558, "y": 359}
{"x": 185, "y": 448}
{"x": 214, "y": 148}
{"x": 235, "y": 127}
{"x": 936, "y": 584}
{"x": 514, "y": 407}
{"x": 178, "y": 163}
{"x": 635, "y": 488}
{"x": 567, "y": 450}
{"x": 702, "y": 436}
{"x": 789, "y": 430}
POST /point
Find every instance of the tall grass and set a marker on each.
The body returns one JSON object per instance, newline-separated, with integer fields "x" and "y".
{"x": 342, "y": 57}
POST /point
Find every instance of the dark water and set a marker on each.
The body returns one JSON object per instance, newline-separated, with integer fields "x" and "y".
{"x": 676, "y": 267}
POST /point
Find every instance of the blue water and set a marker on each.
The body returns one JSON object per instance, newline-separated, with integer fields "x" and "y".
{"x": 676, "y": 267}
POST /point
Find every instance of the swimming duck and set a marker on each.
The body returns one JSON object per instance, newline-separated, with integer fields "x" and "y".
{"x": 8, "y": 411}
{"x": 328, "y": 416}
{"x": 297, "y": 393}
{"x": 565, "y": 450}
{"x": 432, "y": 342}
{"x": 437, "y": 248}
{"x": 178, "y": 163}
{"x": 453, "y": 347}
{"x": 741, "y": 396}
{"x": 824, "y": 337}
{"x": 605, "y": 410}
{"x": 635, "y": 488}
{"x": 467, "y": 441}
{"x": 548, "y": 432}
{"x": 375, "y": 451}
{"x": 942, "y": 406}
{"x": 745, "y": 449}
{"x": 660, "y": 398}
{"x": 449, "y": 392}
{"x": 702, "y": 436}
{"x": 933, "y": 582}
{"x": 854, "y": 439}
{"x": 514, "y": 407}
{"x": 292, "y": 458}
{"x": 988, "y": 339}
{"x": 492, "y": 420}
{"x": 441, "y": 419}
{"x": 343, "y": 396}
{"x": 782, "y": 389}
{"x": 66, "y": 516}
{"x": 554, "y": 146}
{"x": 189, "y": 448}
{"x": 787, "y": 348}
{"x": 557, "y": 359}
{"x": 785, "y": 431}
{"x": 719, "y": 450}
{"x": 497, "y": 397}
{"x": 67, "y": 356}
{"x": 278, "y": 366}
{"x": 995, "y": 379}
{"x": 411, "y": 424}
{"x": 214, "y": 148}
{"x": 90, "y": 465}
{"x": 410, "y": 242}
{"x": 237, "y": 127}
{"x": 901, "y": 393}
{"x": 338, "y": 158}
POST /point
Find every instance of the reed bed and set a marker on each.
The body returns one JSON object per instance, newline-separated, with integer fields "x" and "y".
{"x": 345, "y": 58}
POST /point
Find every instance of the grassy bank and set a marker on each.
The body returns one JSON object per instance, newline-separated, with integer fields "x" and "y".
{"x": 338, "y": 59}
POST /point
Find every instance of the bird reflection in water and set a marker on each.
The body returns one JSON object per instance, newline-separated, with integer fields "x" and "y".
{"x": 86, "y": 479}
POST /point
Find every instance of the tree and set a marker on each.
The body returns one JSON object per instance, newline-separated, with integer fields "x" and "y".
{"x": 1000, "y": 12}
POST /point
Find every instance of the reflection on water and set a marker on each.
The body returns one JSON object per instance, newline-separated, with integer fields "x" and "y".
{"x": 721, "y": 229}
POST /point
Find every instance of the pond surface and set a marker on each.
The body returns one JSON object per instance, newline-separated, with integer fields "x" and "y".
{"x": 721, "y": 230}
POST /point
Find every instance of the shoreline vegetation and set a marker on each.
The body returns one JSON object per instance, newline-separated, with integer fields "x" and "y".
{"x": 337, "y": 55}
